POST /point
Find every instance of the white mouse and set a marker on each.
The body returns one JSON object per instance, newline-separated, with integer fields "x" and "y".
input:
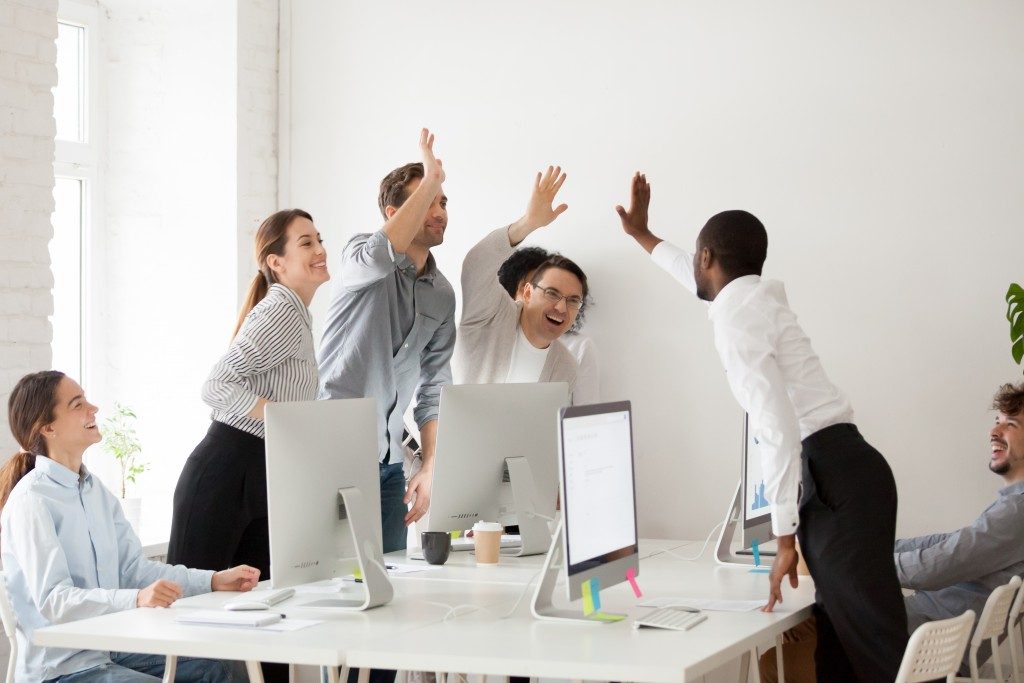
{"x": 240, "y": 605}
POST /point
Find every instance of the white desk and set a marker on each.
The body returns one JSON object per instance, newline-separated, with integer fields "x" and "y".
{"x": 409, "y": 632}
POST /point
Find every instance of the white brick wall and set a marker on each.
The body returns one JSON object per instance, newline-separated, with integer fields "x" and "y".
{"x": 257, "y": 126}
{"x": 27, "y": 73}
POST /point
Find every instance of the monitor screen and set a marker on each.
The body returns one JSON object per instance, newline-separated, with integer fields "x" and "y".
{"x": 598, "y": 494}
{"x": 756, "y": 506}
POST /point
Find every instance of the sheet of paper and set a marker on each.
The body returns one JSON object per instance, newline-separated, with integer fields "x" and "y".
{"x": 394, "y": 569}
{"x": 706, "y": 604}
{"x": 291, "y": 625}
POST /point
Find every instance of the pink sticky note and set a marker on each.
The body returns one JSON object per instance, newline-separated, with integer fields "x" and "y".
{"x": 631, "y": 577}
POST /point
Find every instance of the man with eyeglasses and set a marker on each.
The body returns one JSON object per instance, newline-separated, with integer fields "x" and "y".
{"x": 501, "y": 340}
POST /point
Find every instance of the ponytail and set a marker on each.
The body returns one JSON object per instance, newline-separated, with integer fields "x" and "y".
{"x": 271, "y": 238}
{"x": 29, "y": 409}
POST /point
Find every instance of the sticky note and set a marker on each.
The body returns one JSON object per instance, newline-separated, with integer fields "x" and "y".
{"x": 591, "y": 597}
{"x": 602, "y": 616}
{"x": 757, "y": 553}
{"x": 760, "y": 570}
{"x": 631, "y": 577}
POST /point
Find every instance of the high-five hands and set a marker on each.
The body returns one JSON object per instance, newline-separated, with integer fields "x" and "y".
{"x": 432, "y": 169}
{"x": 634, "y": 221}
{"x": 541, "y": 210}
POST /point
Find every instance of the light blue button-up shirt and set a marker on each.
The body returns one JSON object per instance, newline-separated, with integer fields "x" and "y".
{"x": 69, "y": 553}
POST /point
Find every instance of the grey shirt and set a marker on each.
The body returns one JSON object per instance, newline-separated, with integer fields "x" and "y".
{"x": 956, "y": 571}
{"x": 389, "y": 334}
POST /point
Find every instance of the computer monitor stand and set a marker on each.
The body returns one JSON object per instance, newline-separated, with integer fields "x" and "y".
{"x": 379, "y": 591}
{"x": 533, "y": 529}
{"x": 543, "y": 605}
{"x": 724, "y": 553}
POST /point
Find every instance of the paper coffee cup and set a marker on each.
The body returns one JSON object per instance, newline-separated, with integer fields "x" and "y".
{"x": 487, "y": 542}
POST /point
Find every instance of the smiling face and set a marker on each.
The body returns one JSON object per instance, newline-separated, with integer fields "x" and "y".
{"x": 303, "y": 265}
{"x": 74, "y": 421}
{"x": 544, "y": 320}
{"x": 1007, "y": 442}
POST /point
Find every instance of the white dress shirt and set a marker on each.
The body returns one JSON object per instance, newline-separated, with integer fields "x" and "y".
{"x": 69, "y": 554}
{"x": 773, "y": 373}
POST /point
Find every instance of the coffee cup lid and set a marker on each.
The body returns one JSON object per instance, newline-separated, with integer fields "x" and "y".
{"x": 487, "y": 526}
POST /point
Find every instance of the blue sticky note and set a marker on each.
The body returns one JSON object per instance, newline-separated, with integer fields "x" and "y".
{"x": 757, "y": 553}
{"x": 595, "y": 593}
{"x": 759, "y": 570}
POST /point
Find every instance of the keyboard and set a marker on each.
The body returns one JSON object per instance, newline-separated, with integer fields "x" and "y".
{"x": 259, "y": 599}
{"x": 674, "y": 618}
{"x": 507, "y": 541}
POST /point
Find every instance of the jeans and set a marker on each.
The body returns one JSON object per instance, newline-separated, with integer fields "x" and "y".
{"x": 392, "y": 508}
{"x": 135, "y": 668}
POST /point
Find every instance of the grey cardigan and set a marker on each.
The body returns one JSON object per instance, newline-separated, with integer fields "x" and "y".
{"x": 490, "y": 322}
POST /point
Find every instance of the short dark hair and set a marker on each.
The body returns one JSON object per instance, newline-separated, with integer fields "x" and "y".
{"x": 1009, "y": 400}
{"x": 392, "y": 187}
{"x": 516, "y": 267}
{"x": 559, "y": 261}
{"x": 738, "y": 240}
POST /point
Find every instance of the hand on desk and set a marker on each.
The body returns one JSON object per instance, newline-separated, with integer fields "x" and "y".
{"x": 160, "y": 593}
{"x": 241, "y": 578}
{"x": 786, "y": 559}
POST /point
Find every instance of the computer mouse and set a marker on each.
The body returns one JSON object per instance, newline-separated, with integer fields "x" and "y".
{"x": 245, "y": 605}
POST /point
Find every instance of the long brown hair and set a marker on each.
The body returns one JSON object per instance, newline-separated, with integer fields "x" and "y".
{"x": 271, "y": 238}
{"x": 29, "y": 409}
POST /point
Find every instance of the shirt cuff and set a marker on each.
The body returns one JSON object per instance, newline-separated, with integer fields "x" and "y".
{"x": 200, "y": 581}
{"x": 785, "y": 519}
{"x": 126, "y": 599}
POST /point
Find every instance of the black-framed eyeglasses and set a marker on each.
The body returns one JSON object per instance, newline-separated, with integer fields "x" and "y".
{"x": 554, "y": 296}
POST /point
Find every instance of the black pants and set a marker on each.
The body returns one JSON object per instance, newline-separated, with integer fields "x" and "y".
{"x": 847, "y": 532}
{"x": 220, "y": 509}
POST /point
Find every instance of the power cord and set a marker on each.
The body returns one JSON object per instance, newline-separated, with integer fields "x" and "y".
{"x": 694, "y": 557}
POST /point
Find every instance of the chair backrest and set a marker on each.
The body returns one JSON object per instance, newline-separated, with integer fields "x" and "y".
{"x": 992, "y": 622}
{"x": 936, "y": 649}
{"x": 10, "y": 622}
{"x": 1015, "y": 609}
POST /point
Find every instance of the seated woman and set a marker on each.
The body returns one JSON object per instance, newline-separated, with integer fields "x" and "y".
{"x": 68, "y": 551}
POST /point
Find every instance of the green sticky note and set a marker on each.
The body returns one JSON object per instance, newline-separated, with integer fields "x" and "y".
{"x": 603, "y": 616}
{"x": 588, "y": 599}
{"x": 358, "y": 575}
{"x": 455, "y": 534}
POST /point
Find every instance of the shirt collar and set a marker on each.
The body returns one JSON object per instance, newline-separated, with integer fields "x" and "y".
{"x": 732, "y": 292}
{"x": 288, "y": 295}
{"x": 405, "y": 264}
{"x": 1016, "y": 488}
{"x": 60, "y": 474}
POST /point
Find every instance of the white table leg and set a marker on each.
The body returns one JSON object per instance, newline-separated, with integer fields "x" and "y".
{"x": 254, "y": 671}
{"x": 333, "y": 676}
{"x": 780, "y": 669}
{"x": 364, "y": 675}
{"x": 170, "y": 668}
{"x": 745, "y": 667}
{"x": 343, "y": 676}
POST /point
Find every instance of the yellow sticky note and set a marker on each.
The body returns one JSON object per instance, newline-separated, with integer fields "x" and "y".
{"x": 358, "y": 575}
{"x": 604, "y": 616}
{"x": 588, "y": 599}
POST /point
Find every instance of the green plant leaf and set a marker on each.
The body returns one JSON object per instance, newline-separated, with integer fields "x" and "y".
{"x": 1017, "y": 327}
{"x": 1018, "y": 350}
{"x": 1015, "y": 290}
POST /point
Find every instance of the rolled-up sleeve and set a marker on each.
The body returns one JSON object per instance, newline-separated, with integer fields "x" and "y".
{"x": 367, "y": 258}
{"x": 435, "y": 371}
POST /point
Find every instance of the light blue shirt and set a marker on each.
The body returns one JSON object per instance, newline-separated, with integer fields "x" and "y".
{"x": 68, "y": 554}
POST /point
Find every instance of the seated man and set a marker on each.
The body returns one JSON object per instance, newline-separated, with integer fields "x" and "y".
{"x": 955, "y": 572}
{"x": 500, "y": 340}
{"x": 514, "y": 274}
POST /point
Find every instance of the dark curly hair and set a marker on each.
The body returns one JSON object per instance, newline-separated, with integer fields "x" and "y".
{"x": 1009, "y": 400}
{"x": 534, "y": 260}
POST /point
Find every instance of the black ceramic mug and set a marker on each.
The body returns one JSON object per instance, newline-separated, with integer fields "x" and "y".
{"x": 436, "y": 546}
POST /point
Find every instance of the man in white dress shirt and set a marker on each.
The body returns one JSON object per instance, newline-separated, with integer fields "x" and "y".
{"x": 845, "y": 515}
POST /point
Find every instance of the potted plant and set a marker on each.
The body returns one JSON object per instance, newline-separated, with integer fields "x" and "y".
{"x": 122, "y": 442}
{"x": 1015, "y": 314}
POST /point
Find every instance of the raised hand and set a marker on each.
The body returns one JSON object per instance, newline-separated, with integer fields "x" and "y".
{"x": 241, "y": 578}
{"x": 541, "y": 210}
{"x": 432, "y": 169}
{"x": 160, "y": 593}
{"x": 634, "y": 221}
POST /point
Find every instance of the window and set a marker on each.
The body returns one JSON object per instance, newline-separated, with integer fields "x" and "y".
{"x": 75, "y": 184}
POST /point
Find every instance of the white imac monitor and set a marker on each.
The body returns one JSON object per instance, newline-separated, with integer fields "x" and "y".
{"x": 323, "y": 496}
{"x": 756, "y": 516}
{"x": 598, "y": 536}
{"x": 485, "y": 431}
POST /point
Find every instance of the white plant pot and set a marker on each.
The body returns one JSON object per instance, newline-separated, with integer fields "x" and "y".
{"x": 132, "y": 511}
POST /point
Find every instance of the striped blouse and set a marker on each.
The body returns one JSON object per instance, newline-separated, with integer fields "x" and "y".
{"x": 271, "y": 357}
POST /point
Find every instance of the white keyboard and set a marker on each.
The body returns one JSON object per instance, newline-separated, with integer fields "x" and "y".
{"x": 507, "y": 541}
{"x": 259, "y": 599}
{"x": 675, "y": 618}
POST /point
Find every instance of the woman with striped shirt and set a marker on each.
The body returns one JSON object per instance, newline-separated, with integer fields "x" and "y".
{"x": 220, "y": 502}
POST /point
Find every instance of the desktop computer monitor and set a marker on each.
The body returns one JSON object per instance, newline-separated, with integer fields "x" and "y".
{"x": 598, "y": 494}
{"x": 323, "y": 493}
{"x": 756, "y": 516}
{"x": 480, "y": 427}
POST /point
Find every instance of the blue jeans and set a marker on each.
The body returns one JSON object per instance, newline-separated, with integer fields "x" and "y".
{"x": 135, "y": 668}
{"x": 392, "y": 508}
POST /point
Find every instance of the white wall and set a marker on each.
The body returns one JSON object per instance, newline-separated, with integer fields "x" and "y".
{"x": 27, "y": 73}
{"x": 879, "y": 143}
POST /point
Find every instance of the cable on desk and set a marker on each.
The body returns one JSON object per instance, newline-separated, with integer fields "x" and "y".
{"x": 694, "y": 557}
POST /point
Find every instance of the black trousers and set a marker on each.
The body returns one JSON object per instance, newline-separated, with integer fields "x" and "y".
{"x": 220, "y": 509}
{"x": 847, "y": 532}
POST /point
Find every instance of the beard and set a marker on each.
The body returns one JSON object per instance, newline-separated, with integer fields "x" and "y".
{"x": 1000, "y": 469}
